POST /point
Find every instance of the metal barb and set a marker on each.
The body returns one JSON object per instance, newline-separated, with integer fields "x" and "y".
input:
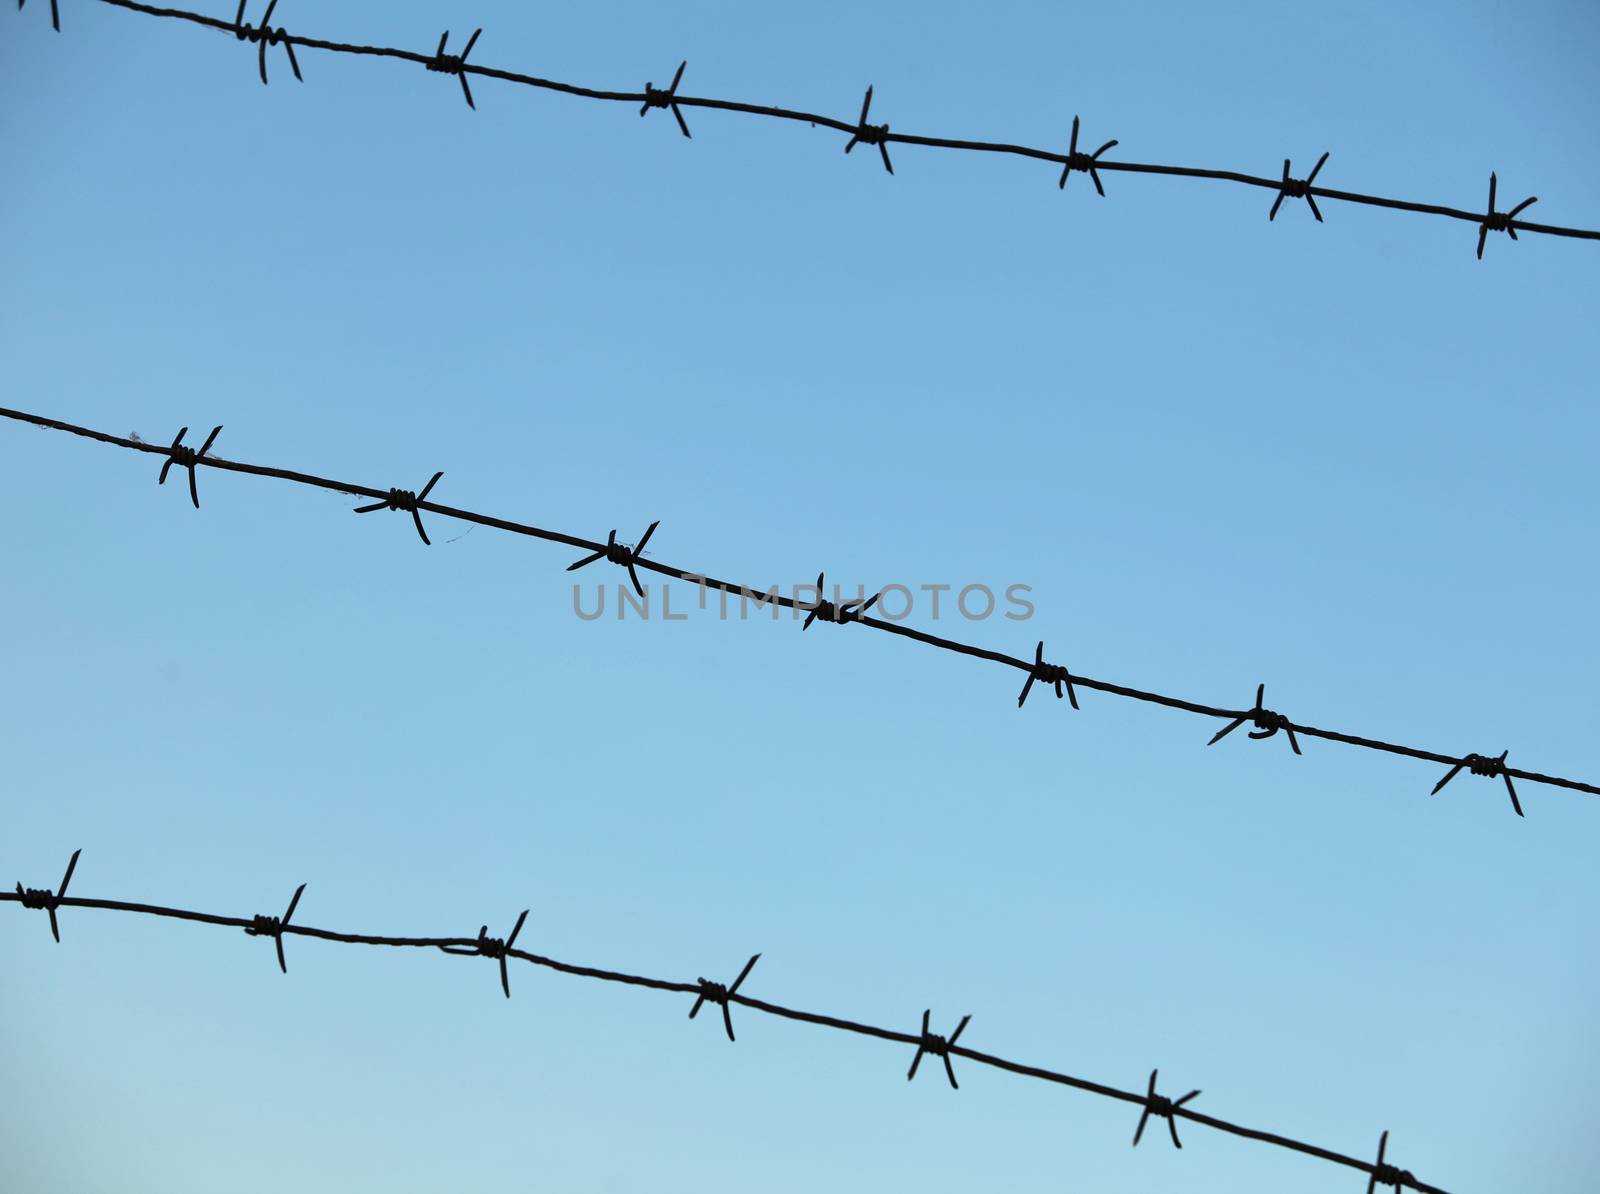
{"x": 1487, "y": 765}
{"x": 43, "y": 897}
{"x": 717, "y": 993}
{"x": 1500, "y": 221}
{"x": 1267, "y": 723}
{"x": 404, "y": 499}
{"x": 1298, "y": 188}
{"x": 455, "y": 64}
{"x": 186, "y": 457}
{"x": 263, "y": 37}
{"x": 871, "y": 134}
{"x": 620, "y": 553}
{"x": 492, "y": 947}
{"x": 1047, "y": 673}
{"x": 938, "y": 1046}
{"x": 272, "y": 926}
{"x": 1086, "y": 162}
{"x": 656, "y": 97}
{"x": 840, "y": 612}
{"x": 1384, "y": 1174}
{"x": 55, "y": 13}
{"x": 1163, "y": 1108}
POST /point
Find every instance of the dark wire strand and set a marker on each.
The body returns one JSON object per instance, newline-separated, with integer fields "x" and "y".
{"x": 1266, "y": 721}
{"x": 483, "y": 946}
{"x": 878, "y": 135}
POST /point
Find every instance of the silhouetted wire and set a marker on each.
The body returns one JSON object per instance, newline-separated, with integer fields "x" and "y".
{"x": 927, "y": 1043}
{"x": 1267, "y": 723}
{"x": 265, "y": 35}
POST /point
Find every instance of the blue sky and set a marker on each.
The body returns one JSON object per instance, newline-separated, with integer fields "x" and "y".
{"x": 1347, "y": 459}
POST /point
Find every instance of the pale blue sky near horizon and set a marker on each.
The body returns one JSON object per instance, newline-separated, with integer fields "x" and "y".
{"x": 1345, "y": 459}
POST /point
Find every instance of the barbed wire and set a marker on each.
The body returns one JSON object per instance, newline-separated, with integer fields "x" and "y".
{"x": 1267, "y": 723}
{"x": 860, "y": 131}
{"x": 927, "y": 1042}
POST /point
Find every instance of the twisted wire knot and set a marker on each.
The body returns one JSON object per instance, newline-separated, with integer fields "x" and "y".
{"x": 1392, "y": 1175}
{"x": 405, "y": 499}
{"x": 870, "y": 134}
{"x": 38, "y": 898}
{"x": 454, "y": 64}
{"x": 1047, "y": 673}
{"x": 1161, "y": 1107}
{"x": 492, "y": 947}
{"x": 187, "y": 458}
{"x": 1087, "y": 163}
{"x": 938, "y": 1046}
{"x": 717, "y": 993}
{"x": 1266, "y": 721}
{"x": 263, "y": 36}
{"x": 620, "y": 554}
{"x": 1384, "y": 1174}
{"x": 1298, "y": 188}
{"x": 837, "y": 612}
{"x": 1488, "y": 766}
{"x": 667, "y": 97}
{"x": 1500, "y": 221}
{"x": 47, "y": 901}
{"x": 273, "y": 926}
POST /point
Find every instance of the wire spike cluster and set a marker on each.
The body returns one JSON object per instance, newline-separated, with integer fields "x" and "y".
{"x": 926, "y": 1042}
{"x": 870, "y": 134}
{"x": 43, "y": 897}
{"x": 621, "y": 554}
{"x": 1266, "y": 722}
{"x": 485, "y": 946}
{"x": 454, "y": 64}
{"x": 1489, "y": 765}
{"x": 186, "y": 457}
{"x": 265, "y": 36}
{"x": 1162, "y": 1108}
{"x": 405, "y": 499}
{"x": 1384, "y": 1174}
{"x": 932, "y": 1044}
{"x": 711, "y": 992}
{"x": 273, "y": 926}
{"x": 1047, "y": 673}
{"x": 1088, "y": 163}
{"x": 655, "y": 97}
{"x": 859, "y": 131}
{"x": 1500, "y": 221}
{"x": 837, "y": 612}
{"x": 1298, "y": 188}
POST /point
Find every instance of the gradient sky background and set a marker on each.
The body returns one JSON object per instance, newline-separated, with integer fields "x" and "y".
{"x": 1345, "y": 459}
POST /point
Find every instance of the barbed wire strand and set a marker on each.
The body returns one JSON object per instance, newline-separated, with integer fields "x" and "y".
{"x": 1267, "y": 722}
{"x": 705, "y": 991}
{"x": 860, "y": 131}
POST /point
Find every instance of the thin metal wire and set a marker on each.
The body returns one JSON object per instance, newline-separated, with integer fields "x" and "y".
{"x": 858, "y": 131}
{"x": 925, "y": 1042}
{"x": 1267, "y": 722}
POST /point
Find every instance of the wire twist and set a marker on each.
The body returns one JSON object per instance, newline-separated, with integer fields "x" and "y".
{"x": 263, "y": 37}
{"x": 932, "y": 1044}
{"x": 454, "y": 64}
{"x": 711, "y": 992}
{"x": 405, "y": 499}
{"x": 1162, "y": 1108}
